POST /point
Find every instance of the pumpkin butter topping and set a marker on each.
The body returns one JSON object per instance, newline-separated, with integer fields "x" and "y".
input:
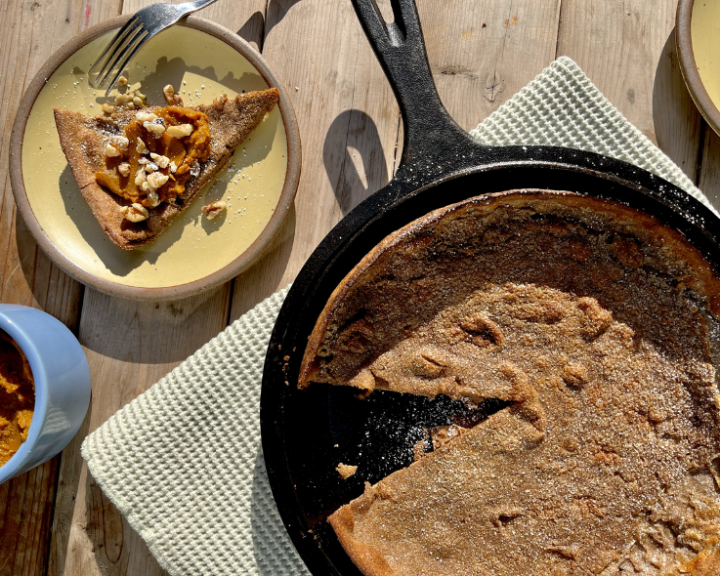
{"x": 183, "y": 153}
{"x": 17, "y": 398}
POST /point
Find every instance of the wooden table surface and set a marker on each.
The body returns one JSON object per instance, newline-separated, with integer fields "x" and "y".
{"x": 55, "y": 520}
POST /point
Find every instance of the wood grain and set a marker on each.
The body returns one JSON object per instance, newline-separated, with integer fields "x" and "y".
{"x": 129, "y": 346}
{"x": 27, "y": 505}
{"x": 709, "y": 174}
{"x": 30, "y": 33}
{"x": 481, "y": 53}
{"x": 348, "y": 121}
{"x": 627, "y": 50}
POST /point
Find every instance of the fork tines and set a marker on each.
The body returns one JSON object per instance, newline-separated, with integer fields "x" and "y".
{"x": 129, "y": 39}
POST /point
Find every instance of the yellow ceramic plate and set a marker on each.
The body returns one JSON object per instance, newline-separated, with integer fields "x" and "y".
{"x": 202, "y": 61}
{"x": 696, "y": 34}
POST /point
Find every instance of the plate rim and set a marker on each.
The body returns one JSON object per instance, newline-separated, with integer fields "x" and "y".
{"x": 235, "y": 267}
{"x": 688, "y": 65}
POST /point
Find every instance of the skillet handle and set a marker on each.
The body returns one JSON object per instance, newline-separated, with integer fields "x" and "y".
{"x": 430, "y": 132}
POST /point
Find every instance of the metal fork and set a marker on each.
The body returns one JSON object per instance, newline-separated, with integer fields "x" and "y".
{"x": 145, "y": 24}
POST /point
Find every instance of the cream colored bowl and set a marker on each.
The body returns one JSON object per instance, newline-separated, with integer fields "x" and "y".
{"x": 202, "y": 61}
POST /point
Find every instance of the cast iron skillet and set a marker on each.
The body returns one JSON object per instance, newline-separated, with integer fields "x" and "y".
{"x": 305, "y": 434}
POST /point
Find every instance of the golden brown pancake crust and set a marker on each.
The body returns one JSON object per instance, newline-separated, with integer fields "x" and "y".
{"x": 596, "y": 323}
{"x": 447, "y": 255}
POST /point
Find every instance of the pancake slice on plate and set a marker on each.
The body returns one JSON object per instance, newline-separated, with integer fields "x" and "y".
{"x": 599, "y": 326}
{"x": 113, "y": 158}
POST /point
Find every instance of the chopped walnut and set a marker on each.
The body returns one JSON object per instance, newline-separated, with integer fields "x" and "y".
{"x": 143, "y": 161}
{"x": 144, "y": 116}
{"x": 135, "y": 213}
{"x": 124, "y": 169}
{"x": 170, "y": 97}
{"x": 123, "y": 99}
{"x": 157, "y": 179}
{"x": 131, "y": 100}
{"x": 140, "y": 147}
{"x": 140, "y": 178}
{"x": 160, "y": 160}
{"x": 139, "y": 99}
{"x": 156, "y": 127}
{"x": 108, "y": 108}
{"x": 122, "y": 80}
{"x": 152, "y": 200}
{"x": 151, "y": 167}
{"x": 168, "y": 93}
{"x": 111, "y": 151}
{"x": 173, "y": 167}
{"x": 213, "y": 209}
{"x": 121, "y": 143}
{"x": 181, "y": 131}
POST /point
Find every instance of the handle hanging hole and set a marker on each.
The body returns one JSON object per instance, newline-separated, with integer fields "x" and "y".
{"x": 386, "y": 10}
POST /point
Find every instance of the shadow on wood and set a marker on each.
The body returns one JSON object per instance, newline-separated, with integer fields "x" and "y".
{"x": 149, "y": 334}
{"x": 112, "y": 538}
{"x": 51, "y": 289}
{"x": 25, "y": 520}
{"x": 254, "y": 28}
{"x": 276, "y": 11}
{"x": 709, "y": 181}
{"x": 675, "y": 117}
{"x": 67, "y": 489}
{"x": 264, "y": 277}
{"x": 354, "y": 158}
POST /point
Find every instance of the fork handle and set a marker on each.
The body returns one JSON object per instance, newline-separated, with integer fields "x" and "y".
{"x": 188, "y": 7}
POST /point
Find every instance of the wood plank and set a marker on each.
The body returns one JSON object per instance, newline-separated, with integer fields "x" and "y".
{"x": 26, "y": 510}
{"x": 348, "y": 116}
{"x": 709, "y": 173}
{"x": 348, "y": 122}
{"x": 30, "y": 33}
{"x": 129, "y": 347}
{"x": 481, "y": 53}
{"x": 627, "y": 50}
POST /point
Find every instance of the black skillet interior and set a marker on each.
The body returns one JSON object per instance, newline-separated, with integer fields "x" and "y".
{"x": 306, "y": 434}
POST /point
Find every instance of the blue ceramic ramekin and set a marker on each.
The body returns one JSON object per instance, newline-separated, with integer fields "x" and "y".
{"x": 62, "y": 384}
